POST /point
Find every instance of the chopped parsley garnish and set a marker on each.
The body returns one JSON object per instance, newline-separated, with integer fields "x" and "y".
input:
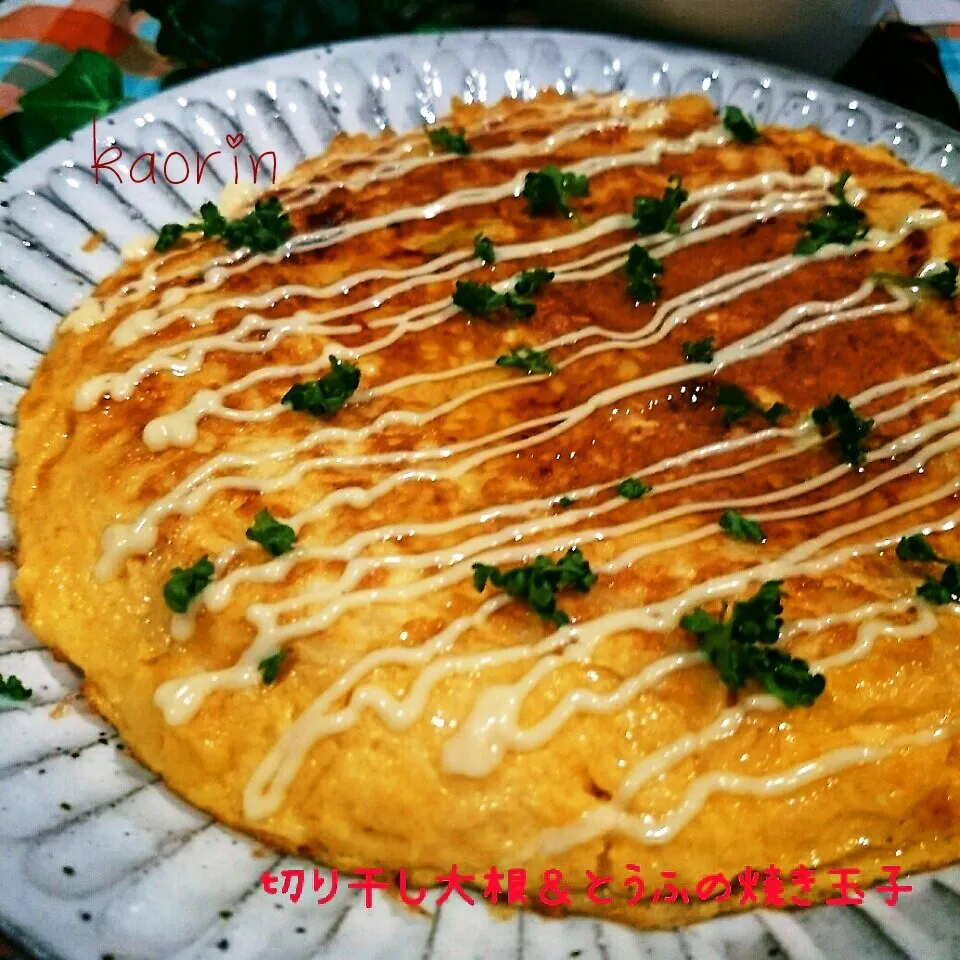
{"x": 565, "y": 502}
{"x": 186, "y": 584}
{"x": 642, "y": 271}
{"x": 483, "y": 248}
{"x": 445, "y": 139}
{"x": 944, "y": 590}
{"x": 528, "y": 359}
{"x": 740, "y": 125}
{"x": 275, "y": 537}
{"x": 12, "y": 688}
{"x": 740, "y": 528}
{"x": 916, "y": 549}
{"x": 530, "y": 281}
{"x": 841, "y": 223}
{"x": 538, "y": 583}
{"x": 547, "y": 191}
{"x": 737, "y": 404}
{"x": 324, "y": 397}
{"x": 632, "y": 489}
{"x": 479, "y": 299}
{"x": 741, "y": 647}
{"x": 262, "y": 230}
{"x": 269, "y": 667}
{"x": 698, "y": 351}
{"x": 851, "y": 429}
{"x": 659, "y": 214}
{"x": 937, "y": 278}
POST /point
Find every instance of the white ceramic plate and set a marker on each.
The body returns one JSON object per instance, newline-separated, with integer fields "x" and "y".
{"x": 97, "y": 859}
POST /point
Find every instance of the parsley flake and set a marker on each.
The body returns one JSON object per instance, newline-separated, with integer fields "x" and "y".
{"x": 479, "y": 299}
{"x": 565, "y": 502}
{"x": 740, "y": 528}
{"x": 642, "y": 271}
{"x": 698, "y": 351}
{"x": 324, "y": 397}
{"x": 528, "y": 359}
{"x": 840, "y": 223}
{"x": 483, "y": 248}
{"x": 446, "y": 140}
{"x": 632, "y": 489}
{"x": 741, "y": 647}
{"x": 275, "y": 537}
{"x": 185, "y": 584}
{"x": 547, "y": 191}
{"x": 852, "y": 430}
{"x": 737, "y": 404}
{"x": 944, "y": 590}
{"x": 269, "y": 667}
{"x": 939, "y": 279}
{"x": 659, "y": 214}
{"x": 263, "y": 229}
{"x": 538, "y": 583}
{"x": 12, "y": 688}
{"x": 916, "y": 549}
{"x": 740, "y": 125}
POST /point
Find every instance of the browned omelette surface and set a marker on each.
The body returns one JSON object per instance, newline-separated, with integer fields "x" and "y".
{"x": 415, "y": 722}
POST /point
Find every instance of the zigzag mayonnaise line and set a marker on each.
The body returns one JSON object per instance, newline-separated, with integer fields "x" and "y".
{"x": 340, "y": 595}
{"x": 266, "y": 789}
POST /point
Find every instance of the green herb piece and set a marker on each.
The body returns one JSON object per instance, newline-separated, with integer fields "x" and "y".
{"x": 168, "y": 236}
{"x": 565, "y": 502}
{"x": 275, "y": 537}
{"x": 530, "y": 281}
{"x": 445, "y": 139}
{"x": 538, "y": 583}
{"x": 841, "y": 223}
{"x": 263, "y": 229}
{"x": 939, "y": 279}
{"x": 632, "y": 489}
{"x": 737, "y": 404}
{"x": 916, "y": 548}
{"x": 741, "y": 647}
{"x": 740, "y": 125}
{"x": 659, "y": 214}
{"x": 324, "y": 397}
{"x": 740, "y": 528}
{"x": 185, "y": 584}
{"x": 944, "y": 590}
{"x": 851, "y": 429}
{"x": 642, "y": 271}
{"x": 269, "y": 667}
{"x": 479, "y": 299}
{"x": 12, "y": 688}
{"x": 698, "y": 351}
{"x": 483, "y": 248}
{"x": 528, "y": 359}
{"x": 547, "y": 191}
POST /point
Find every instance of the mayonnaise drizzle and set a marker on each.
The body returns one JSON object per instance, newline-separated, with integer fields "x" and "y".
{"x": 492, "y": 728}
{"x": 267, "y": 787}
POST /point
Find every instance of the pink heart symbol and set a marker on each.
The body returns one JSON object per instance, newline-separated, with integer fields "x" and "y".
{"x": 234, "y": 140}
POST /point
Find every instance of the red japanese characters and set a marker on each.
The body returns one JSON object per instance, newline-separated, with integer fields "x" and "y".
{"x": 751, "y": 887}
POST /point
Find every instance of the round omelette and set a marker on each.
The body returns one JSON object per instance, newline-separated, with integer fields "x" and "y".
{"x": 569, "y": 485}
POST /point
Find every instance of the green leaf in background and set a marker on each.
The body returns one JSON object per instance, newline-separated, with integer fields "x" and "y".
{"x": 89, "y": 86}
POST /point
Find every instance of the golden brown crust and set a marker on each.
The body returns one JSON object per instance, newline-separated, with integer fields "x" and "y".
{"x": 371, "y": 795}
